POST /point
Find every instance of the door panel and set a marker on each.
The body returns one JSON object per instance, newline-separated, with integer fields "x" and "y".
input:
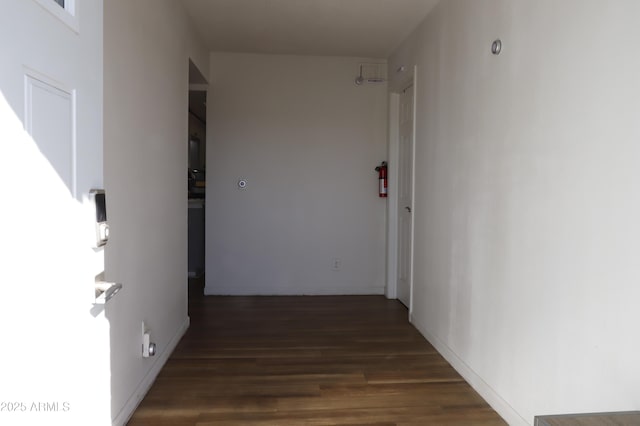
{"x": 405, "y": 196}
{"x": 56, "y": 360}
{"x": 49, "y": 121}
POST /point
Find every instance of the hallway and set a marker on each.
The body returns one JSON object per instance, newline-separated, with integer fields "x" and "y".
{"x": 347, "y": 360}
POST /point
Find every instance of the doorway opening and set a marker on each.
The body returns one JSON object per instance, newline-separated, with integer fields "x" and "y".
{"x": 196, "y": 178}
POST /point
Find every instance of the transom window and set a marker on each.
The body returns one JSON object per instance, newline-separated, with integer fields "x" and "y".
{"x": 64, "y": 10}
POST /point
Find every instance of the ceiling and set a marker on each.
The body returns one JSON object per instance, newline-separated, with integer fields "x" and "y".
{"x": 363, "y": 28}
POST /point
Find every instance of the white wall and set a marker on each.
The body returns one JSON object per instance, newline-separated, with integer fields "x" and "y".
{"x": 307, "y": 140}
{"x": 147, "y": 49}
{"x": 527, "y": 204}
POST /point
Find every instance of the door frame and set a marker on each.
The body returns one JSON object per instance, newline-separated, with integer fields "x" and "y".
{"x": 391, "y": 290}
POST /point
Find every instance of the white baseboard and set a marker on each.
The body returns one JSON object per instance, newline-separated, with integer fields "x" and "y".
{"x": 129, "y": 408}
{"x": 496, "y": 402}
{"x": 229, "y": 290}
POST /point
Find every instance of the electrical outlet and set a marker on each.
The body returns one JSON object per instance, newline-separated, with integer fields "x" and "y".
{"x": 336, "y": 264}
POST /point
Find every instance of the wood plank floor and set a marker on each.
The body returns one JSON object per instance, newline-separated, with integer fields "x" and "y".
{"x": 289, "y": 361}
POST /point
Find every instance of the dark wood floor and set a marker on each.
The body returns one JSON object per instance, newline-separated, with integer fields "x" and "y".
{"x": 292, "y": 361}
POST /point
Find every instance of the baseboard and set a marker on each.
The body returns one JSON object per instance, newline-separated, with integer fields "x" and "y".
{"x": 320, "y": 291}
{"x": 496, "y": 402}
{"x": 130, "y": 407}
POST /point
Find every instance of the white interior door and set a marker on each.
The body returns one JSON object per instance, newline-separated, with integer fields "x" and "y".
{"x": 55, "y": 367}
{"x": 405, "y": 196}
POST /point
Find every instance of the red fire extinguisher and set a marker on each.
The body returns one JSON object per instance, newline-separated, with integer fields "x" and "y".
{"x": 382, "y": 179}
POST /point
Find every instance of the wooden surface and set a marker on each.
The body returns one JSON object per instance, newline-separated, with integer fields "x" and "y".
{"x": 289, "y": 361}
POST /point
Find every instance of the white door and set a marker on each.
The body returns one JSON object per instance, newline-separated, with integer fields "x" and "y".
{"x": 55, "y": 356}
{"x": 405, "y": 196}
